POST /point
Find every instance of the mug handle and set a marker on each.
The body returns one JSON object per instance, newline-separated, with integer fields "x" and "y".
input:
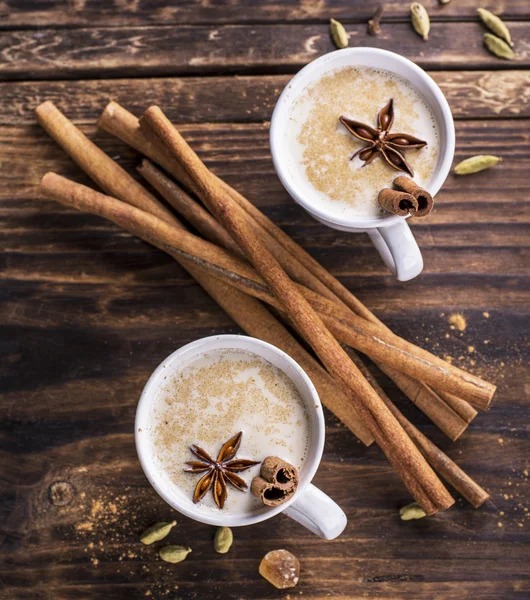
{"x": 318, "y": 512}
{"x": 398, "y": 249}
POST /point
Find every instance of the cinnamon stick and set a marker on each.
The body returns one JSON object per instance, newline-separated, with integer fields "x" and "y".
{"x": 414, "y": 471}
{"x": 438, "y": 460}
{"x": 121, "y": 123}
{"x": 270, "y": 494}
{"x": 425, "y": 200}
{"x": 276, "y": 483}
{"x": 461, "y": 407}
{"x": 397, "y": 202}
{"x": 434, "y": 407}
{"x": 279, "y": 472}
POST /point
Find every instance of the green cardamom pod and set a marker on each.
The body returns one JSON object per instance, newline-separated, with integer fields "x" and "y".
{"x": 338, "y": 33}
{"x": 156, "y": 532}
{"x": 499, "y": 47}
{"x": 223, "y": 540}
{"x": 174, "y": 554}
{"x": 420, "y": 20}
{"x": 474, "y": 164}
{"x": 495, "y": 24}
{"x": 412, "y": 511}
{"x": 445, "y": 1}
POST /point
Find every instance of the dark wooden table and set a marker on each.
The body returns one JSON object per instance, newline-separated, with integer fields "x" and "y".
{"x": 87, "y": 312}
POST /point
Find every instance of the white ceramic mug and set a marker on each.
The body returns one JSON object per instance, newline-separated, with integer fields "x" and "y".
{"x": 390, "y": 234}
{"x": 309, "y": 506}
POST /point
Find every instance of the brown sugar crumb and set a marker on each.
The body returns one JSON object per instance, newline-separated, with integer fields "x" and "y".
{"x": 458, "y": 321}
{"x": 85, "y": 526}
{"x": 471, "y": 349}
{"x": 486, "y": 315}
{"x": 95, "y": 508}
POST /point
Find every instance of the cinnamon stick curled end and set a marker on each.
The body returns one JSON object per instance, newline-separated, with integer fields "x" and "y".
{"x": 277, "y": 482}
{"x": 397, "y": 202}
{"x": 424, "y": 199}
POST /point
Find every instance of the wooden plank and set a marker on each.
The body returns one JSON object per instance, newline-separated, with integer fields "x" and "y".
{"x": 471, "y": 94}
{"x": 176, "y": 50}
{"x": 96, "y": 12}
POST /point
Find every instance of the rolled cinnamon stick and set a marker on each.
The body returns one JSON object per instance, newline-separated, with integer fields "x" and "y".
{"x": 425, "y": 200}
{"x": 270, "y": 494}
{"x": 416, "y": 474}
{"x": 279, "y": 472}
{"x": 118, "y": 121}
{"x": 276, "y": 483}
{"x": 397, "y": 203}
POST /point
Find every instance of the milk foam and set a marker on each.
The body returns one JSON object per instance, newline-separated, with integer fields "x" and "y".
{"x": 212, "y": 398}
{"x": 320, "y": 147}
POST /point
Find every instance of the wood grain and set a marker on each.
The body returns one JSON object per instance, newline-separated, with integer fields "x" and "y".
{"x": 130, "y": 13}
{"x": 471, "y": 94}
{"x": 260, "y": 49}
{"x": 86, "y": 312}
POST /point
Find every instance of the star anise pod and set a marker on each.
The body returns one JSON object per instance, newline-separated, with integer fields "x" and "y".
{"x": 381, "y": 142}
{"x": 219, "y": 472}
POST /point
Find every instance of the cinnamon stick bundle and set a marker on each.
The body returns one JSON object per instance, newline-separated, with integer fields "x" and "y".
{"x": 409, "y": 463}
{"x": 119, "y": 122}
{"x": 397, "y": 203}
{"x": 256, "y": 304}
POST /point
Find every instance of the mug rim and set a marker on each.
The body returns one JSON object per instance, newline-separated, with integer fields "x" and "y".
{"x": 281, "y": 112}
{"x": 228, "y": 342}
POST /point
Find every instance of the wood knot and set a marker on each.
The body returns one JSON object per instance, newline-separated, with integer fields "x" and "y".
{"x": 61, "y": 493}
